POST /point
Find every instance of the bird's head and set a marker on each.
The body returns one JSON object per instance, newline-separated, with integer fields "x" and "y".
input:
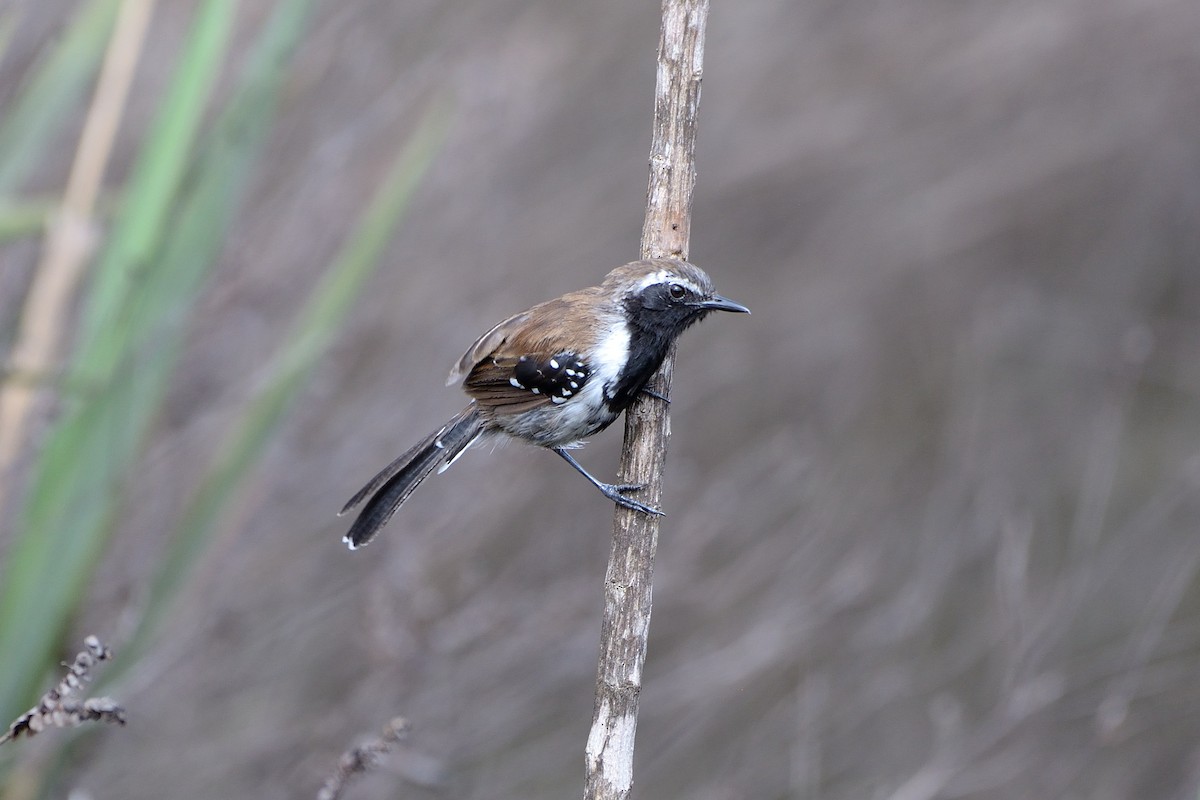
{"x": 666, "y": 294}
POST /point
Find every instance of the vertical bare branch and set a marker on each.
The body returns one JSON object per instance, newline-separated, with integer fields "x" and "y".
{"x": 627, "y": 586}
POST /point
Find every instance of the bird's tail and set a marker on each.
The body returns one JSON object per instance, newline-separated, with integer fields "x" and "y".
{"x": 397, "y": 480}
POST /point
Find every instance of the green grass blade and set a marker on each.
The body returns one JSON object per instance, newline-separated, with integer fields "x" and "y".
{"x": 155, "y": 181}
{"x": 52, "y": 92}
{"x": 76, "y": 487}
{"x": 21, "y": 219}
{"x": 314, "y": 329}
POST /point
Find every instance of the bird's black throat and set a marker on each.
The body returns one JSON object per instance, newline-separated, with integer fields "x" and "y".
{"x": 651, "y": 332}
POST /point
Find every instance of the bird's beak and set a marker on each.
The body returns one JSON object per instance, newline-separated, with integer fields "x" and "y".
{"x": 718, "y": 303}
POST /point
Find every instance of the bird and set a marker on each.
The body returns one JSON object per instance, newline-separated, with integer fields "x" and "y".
{"x": 553, "y": 375}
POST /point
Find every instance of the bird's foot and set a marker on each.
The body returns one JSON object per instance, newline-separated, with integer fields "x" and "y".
{"x": 616, "y": 493}
{"x": 656, "y": 395}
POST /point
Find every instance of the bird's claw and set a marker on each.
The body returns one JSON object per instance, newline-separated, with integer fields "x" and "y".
{"x": 656, "y": 395}
{"x": 616, "y": 493}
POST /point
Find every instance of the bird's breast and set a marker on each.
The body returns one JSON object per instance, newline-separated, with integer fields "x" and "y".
{"x": 591, "y": 408}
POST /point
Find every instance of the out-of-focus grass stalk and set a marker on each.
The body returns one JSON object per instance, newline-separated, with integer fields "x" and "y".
{"x": 52, "y": 92}
{"x": 155, "y": 181}
{"x": 312, "y": 331}
{"x": 21, "y": 219}
{"x": 69, "y": 236}
{"x": 27, "y": 217}
{"x": 8, "y": 24}
{"x": 47, "y": 98}
{"x": 77, "y": 481}
{"x": 167, "y": 233}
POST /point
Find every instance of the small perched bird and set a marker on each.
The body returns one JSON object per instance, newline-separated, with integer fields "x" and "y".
{"x": 554, "y": 375}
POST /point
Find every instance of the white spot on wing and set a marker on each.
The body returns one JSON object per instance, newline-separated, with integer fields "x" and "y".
{"x": 560, "y": 422}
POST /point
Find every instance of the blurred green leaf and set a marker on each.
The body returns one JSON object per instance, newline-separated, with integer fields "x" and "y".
{"x": 313, "y": 330}
{"x": 78, "y": 479}
{"x": 19, "y": 220}
{"x": 152, "y": 188}
{"x": 52, "y": 92}
{"x": 22, "y": 218}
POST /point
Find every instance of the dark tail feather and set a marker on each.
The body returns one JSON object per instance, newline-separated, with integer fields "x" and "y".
{"x": 397, "y": 480}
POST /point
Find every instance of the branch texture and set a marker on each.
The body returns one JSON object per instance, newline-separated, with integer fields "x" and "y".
{"x": 627, "y": 587}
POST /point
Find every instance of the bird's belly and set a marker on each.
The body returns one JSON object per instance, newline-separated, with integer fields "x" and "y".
{"x": 558, "y": 425}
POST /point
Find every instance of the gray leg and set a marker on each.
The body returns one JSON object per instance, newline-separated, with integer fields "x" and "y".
{"x": 614, "y": 492}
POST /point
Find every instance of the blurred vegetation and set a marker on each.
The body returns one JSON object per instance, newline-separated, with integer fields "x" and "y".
{"x": 168, "y": 225}
{"x": 931, "y": 510}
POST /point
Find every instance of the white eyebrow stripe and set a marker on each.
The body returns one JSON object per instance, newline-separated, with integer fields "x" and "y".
{"x": 662, "y": 276}
{"x": 653, "y": 278}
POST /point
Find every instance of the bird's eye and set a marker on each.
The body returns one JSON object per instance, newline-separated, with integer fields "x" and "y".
{"x": 676, "y": 291}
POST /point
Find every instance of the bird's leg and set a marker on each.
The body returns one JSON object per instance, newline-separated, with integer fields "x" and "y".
{"x": 656, "y": 395}
{"x": 613, "y": 491}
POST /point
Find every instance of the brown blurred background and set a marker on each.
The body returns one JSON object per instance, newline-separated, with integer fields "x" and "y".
{"x": 932, "y": 509}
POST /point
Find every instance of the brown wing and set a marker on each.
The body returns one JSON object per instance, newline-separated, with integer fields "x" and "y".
{"x": 486, "y": 370}
{"x": 490, "y": 383}
{"x": 485, "y": 346}
{"x": 521, "y": 363}
{"x": 511, "y": 385}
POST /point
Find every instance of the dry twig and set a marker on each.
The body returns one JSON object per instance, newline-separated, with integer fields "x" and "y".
{"x": 70, "y": 236}
{"x": 627, "y": 589}
{"x": 361, "y": 759}
{"x": 60, "y": 708}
